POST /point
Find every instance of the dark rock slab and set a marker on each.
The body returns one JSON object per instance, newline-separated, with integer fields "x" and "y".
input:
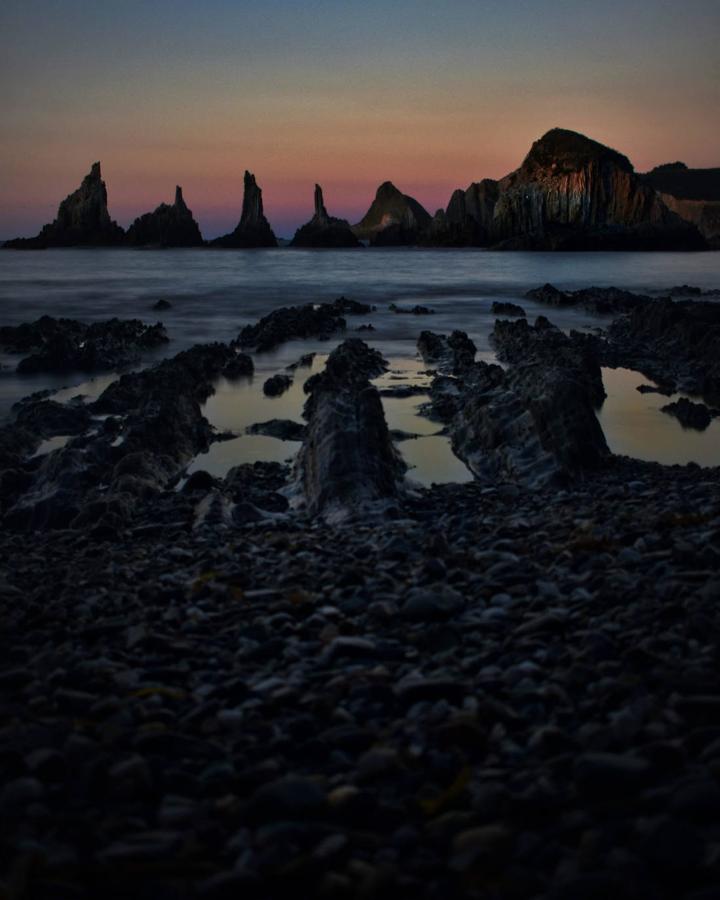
{"x": 507, "y": 309}
{"x": 416, "y": 310}
{"x": 347, "y": 460}
{"x": 283, "y": 429}
{"x": 689, "y": 414}
{"x": 277, "y": 385}
{"x": 313, "y": 320}
{"x": 601, "y": 301}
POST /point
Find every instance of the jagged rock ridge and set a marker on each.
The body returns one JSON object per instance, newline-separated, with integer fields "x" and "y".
{"x": 82, "y": 220}
{"x": 393, "y": 218}
{"x": 253, "y": 229}
{"x": 324, "y": 230}
{"x": 168, "y": 226}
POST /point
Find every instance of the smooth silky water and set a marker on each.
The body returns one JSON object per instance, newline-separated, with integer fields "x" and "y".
{"x": 215, "y": 293}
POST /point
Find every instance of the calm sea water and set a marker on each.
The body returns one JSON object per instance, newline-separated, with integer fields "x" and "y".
{"x": 214, "y": 293}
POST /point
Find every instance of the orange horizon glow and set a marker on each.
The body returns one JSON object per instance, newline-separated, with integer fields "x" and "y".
{"x": 429, "y": 97}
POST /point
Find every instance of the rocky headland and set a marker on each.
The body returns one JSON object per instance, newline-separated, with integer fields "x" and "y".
{"x": 170, "y": 225}
{"x": 323, "y": 680}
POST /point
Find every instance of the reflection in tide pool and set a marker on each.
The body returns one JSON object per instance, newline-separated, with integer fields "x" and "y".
{"x": 634, "y": 425}
{"x": 237, "y": 405}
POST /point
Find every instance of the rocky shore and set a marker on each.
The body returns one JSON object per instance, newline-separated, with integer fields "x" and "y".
{"x": 322, "y": 681}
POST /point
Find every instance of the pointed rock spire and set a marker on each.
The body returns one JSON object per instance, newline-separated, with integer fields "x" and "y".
{"x": 253, "y": 230}
{"x": 324, "y": 230}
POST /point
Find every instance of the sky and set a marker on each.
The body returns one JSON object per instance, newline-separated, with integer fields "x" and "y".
{"x": 429, "y": 95}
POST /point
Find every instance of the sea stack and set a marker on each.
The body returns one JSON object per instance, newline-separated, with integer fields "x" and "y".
{"x": 82, "y": 220}
{"x": 253, "y": 230}
{"x": 393, "y": 219}
{"x": 324, "y": 230}
{"x": 573, "y": 193}
{"x": 168, "y": 226}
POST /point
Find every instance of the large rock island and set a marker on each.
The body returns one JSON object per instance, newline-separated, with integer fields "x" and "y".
{"x": 253, "y": 229}
{"x": 393, "y": 218}
{"x": 570, "y": 193}
{"x": 82, "y": 220}
{"x": 168, "y": 226}
{"x": 324, "y": 230}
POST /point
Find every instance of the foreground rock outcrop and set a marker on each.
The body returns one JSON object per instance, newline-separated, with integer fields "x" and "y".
{"x": 148, "y": 427}
{"x": 347, "y": 462}
{"x": 66, "y": 345}
{"x": 324, "y": 230}
{"x": 253, "y": 230}
{"x": 82, "y": 220}
{"x": 168, "y": 226}
{"x": 312, "y": 320}
{"x": 393, "y": 218}
{"x": 599, "y": 301}
{"x": 673, "y": 342}
{"x": 531, "y": 424}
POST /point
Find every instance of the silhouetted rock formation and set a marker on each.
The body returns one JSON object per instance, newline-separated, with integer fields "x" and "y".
{"x": 694, "y": 194}
{"x": 393, "y": 219}
{"x": 573, "y": 193}
{"x": 468, "y": 219}
{"x": 82, "y": 220}
{"x": 253, "y": 230}
{"x": 65, "y": 345}
{"x": 167, "y": 226}
{"x": 324, "y": 230}
{"x": 347, "y": 460}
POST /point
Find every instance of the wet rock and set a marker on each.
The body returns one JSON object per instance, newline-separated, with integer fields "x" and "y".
{"x": 64, "y": 345}
{"x": 238, "y": 366}
{"x": 600, "y": 301}
{"x": 450, "y": 355}
{"x": 161, "y": 305}
{"x": 277, "y": 385}
{"x": 507, "y": 309}
{"x": 305, "y": 361}
{"x": 612, "y": 774}
{"x": 324, "y": 230}
{"x": 666, "y": 391}
{"x": 287, "y": 798}
{"x": 689, "y": 414}
{"x": 416, "y": 310}
{"x": 283, "y": 429}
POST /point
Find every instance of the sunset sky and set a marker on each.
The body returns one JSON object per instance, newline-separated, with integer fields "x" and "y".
{"x": 431, "y": 95}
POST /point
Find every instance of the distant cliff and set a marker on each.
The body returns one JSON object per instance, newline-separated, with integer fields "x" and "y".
{"x": 570, "y": 193}
{"x": 253, "y": 229}
{"x": 82, "y": 220}
{"x": 394, "y": 218}
{"x": 324, "y": 230}
{"x": 574, "y": 193}
{"x": 694, "y": 194}
{"x": 168, "y": 226}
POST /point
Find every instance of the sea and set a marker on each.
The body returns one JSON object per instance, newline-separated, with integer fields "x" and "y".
{"x": 215, "y": 292}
